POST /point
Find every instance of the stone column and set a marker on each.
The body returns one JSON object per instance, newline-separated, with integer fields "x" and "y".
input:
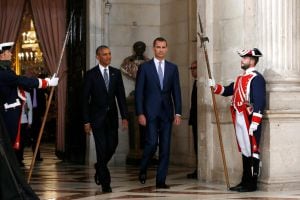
{"x": 94, "y": 38}
{"x": 279, "y": 38}
{"x": 106, "y": 22}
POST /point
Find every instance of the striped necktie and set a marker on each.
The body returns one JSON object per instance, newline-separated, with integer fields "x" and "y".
{"x": 160, "y": 75}
{"x": 105, "y": 76}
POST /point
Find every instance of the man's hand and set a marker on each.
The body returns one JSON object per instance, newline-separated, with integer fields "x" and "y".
{"x": 87, "y": 128}
{"x": 142, "y": 120}
{"x": 211, "y": 82}
{"x": 252, "y": 128}
{"x": 53, "y": 81}
{"x": 124, "y": 123}
{"x": 177, "y": 120}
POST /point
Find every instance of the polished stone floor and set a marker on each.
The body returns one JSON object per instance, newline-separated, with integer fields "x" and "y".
{"x": 56, "y": 180}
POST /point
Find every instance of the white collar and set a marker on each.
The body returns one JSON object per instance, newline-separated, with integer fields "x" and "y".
{"x": 156, "y": 61}
{"x": 249, "y": 70}
{"x": 102, "y": 68}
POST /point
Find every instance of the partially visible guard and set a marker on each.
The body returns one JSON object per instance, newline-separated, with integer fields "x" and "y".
{"x": 12, "y": 183}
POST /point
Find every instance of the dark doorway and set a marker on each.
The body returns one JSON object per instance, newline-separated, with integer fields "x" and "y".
{"x": 75, "y": 136}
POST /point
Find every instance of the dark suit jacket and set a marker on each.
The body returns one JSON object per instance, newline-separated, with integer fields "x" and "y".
{"x": 150, "y": 99}
{"x": 9, "y": 83}
{"x": 41, "y": 102}
{"x": 193, "y": 109}
{"x": 98, "y": 103}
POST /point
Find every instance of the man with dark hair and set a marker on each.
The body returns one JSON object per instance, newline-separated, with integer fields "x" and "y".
{"x": 193, "y": 117}
{"x": 157, "y": 97}
{"x": 248, "y": 104}
{"x": 103, "y": 89}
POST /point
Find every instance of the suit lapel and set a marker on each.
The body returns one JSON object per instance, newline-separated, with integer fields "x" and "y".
{"x": 154, "y": 73}
{"x": 100, "y": 78}
{"x": 166, "y": 74}
{"x": 112, "y": 77}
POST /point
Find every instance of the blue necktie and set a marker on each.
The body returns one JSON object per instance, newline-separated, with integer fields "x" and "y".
{"x": 160, "y": 75}
{"x": 105, "y": 76}
{"x": 34, "y": 101}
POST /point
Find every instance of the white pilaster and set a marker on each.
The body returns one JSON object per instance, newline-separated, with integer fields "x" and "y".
{"x": 278, "y": 25}
{"x": 106, "y": 22}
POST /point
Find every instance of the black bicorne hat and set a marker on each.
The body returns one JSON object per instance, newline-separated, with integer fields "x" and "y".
{"x": 255, "y": 52}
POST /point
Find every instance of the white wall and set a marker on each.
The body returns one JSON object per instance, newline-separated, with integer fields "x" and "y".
{"x": 178, "y": 26}
{"x": 131, "y": 21}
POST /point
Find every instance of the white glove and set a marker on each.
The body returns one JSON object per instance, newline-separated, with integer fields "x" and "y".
{"x": 252, "y": 128}
{"x": 211, "y": 83}
{"x": 53, "y": 81}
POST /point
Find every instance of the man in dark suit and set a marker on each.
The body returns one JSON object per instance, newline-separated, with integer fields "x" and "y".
{"x": 157, "y": 96}
{"x": 38, "y": 99}
{"x": 193, "y": 116}
{"x": 103, "y": 86}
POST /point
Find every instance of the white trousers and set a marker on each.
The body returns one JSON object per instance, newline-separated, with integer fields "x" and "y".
{"x": 242, "y": 135}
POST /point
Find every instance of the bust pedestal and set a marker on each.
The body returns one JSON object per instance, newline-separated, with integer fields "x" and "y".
{"x": 135, "y": 151}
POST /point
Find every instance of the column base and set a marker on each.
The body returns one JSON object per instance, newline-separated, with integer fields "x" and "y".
{"x": 280, "y": 183}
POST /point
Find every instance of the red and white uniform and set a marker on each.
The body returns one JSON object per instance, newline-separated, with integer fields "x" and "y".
{"x": 248, "y": 102}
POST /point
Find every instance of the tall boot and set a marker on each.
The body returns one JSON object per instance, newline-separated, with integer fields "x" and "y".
{"x": 251, "y": 184}
{"x": 255, "y": 173}
{"x": 246, "y": 174}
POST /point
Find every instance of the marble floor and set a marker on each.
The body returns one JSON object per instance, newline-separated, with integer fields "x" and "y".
{"x": 56, "y": 180}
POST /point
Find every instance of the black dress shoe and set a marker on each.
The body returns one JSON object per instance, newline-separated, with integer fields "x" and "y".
{"x": 162, "y": 186}
{"x": 237, "y": 187}
{"x": 247, "y": 189}
{"x": 142, "y": 178}
{"x": 192, "y": 175}
{"x": 106, "y": 189}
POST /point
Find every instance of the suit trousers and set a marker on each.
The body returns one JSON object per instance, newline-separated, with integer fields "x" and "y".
{"x": 106, "y": 141}
{"x": 158, "y": 132}
{"x": 195, "y": 137}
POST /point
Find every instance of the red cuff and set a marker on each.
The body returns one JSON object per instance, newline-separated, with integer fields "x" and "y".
{"x": 219, "y": 89}
{"x": 256, "y": 118}
{"x": 43, "y": 83}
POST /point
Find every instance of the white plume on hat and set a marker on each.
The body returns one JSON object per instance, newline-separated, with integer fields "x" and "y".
{"x": 6, "y": 45}
{"x": 251, "y": 52}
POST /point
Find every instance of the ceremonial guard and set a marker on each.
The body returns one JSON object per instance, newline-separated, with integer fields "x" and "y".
{"x": 248, "y": 104}
{"x": 12, "y": 93}
{"x": 12, "y": 183}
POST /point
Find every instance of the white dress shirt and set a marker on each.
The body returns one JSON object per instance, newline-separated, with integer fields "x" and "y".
{"x": 156, "y": 61}
{"x": 102, "y": 68}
